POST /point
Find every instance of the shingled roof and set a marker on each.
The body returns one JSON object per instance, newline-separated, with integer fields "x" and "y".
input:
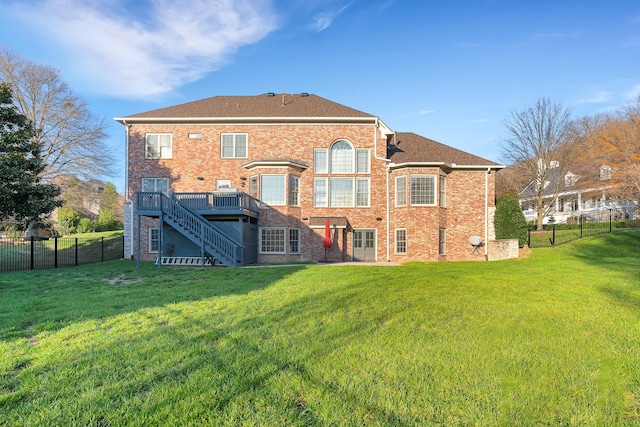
{"x": 268, "y": 105}
{"x": 408, "y": 147}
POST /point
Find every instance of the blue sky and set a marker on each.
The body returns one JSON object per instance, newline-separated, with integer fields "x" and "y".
{"x": 448, "y": 70}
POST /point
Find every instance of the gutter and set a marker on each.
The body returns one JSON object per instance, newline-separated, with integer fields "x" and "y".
{"x": 179, "y": 120}
{"x": 486, "y": 215}
{"x": 388, "y": 207}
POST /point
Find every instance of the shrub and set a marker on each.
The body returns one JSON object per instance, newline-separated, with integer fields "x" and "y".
{"x": 509, "y": 220}
{"x": 108, "y": 225}
{"x": 85, "y": 225}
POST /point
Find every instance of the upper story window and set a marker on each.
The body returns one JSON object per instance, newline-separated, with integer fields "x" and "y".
{"x": 401, "y": 190}
{"x": 362, "y": 161}
{"x": 423, "y": 190}
{"x": 570, "y": 179}
{"x": 272, "y": 189}
{"x": 294, "y": 193}
{"x": 158, "y": 146}
{"x": 233, "y": 145}
{"x": 442, "y": 194}
{"x": 605, "y": 173}
{"x": 341, "y": 157}
{"x": 320, "y": 160}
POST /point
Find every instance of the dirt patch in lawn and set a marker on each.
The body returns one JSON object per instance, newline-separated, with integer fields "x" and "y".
{"x": 121, "y": 280}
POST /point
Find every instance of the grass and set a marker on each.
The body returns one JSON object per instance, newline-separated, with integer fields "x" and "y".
{"x": 553, "y": 339}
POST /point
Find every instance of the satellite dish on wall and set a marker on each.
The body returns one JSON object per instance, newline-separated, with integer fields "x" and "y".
{"x": 476, "y": 242}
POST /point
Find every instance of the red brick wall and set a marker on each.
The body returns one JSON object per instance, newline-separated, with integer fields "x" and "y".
{"x": 193, "y": 158}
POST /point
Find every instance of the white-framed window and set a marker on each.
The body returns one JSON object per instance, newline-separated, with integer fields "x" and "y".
{"x": 423, "y": 190}
{"x": 158, "y": 146}
{"x": 294, "y": 190}
{"x": 320, "y": 192}
{"x": 362, "y": 192}
{"x": 272, "y": 189}
{"x": 320, "y": 160}
{"x": 341, "y": 157}
{"x": 294, "y": 240}
{"x": 195, "y": 136}
{"x": 233, "y": 145}
{"x": 341, "y": 192}
{"x": 223, "y": 184}
{"x": 362, "y": 160}
{"x": 154, "y": 240}
{"x": 272, "y": 240}
{"x": 253, "y": 186}
{"x": 442, "y": 241}
{"x": 401, "y": 190}
{"x": 442, "y": 192}
{"x": 401, "y": 240}
{"x": 155, "y": 185}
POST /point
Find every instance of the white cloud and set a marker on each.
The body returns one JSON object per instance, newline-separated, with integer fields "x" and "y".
{"x": 148, "y": 49}
{"x": 322, "y": 21}
{"x": 479, "y": 121}
{"x": 634, "y": 93}
{"x": 425, "y": 112}
{"x": 598, "y": 98}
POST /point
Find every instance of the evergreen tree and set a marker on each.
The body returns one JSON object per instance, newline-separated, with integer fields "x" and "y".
{"x": 509, "y": 220}
{"x": 23, "y": 196}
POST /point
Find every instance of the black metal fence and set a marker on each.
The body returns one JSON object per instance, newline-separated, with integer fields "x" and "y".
{"x": 21, "y": 255}
{"x": 577, "y": 228}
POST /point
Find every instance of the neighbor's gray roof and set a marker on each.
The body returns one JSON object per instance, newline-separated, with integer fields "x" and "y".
{"x": 408, "y": 147}
{"x": 260, "y": 106}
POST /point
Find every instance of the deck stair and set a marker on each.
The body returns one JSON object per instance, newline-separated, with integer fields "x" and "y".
{"x": 213, "y": 243}
{"x": 188, "y": 261}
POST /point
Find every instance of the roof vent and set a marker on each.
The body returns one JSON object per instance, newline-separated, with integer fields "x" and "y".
{"x": 304, "y": 94}
{"x": 271, "y": 94}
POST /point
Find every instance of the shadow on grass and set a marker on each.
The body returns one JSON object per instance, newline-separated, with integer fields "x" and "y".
{"x": 227, "y": 359}
{"x": 617, "y": 251}
{"x": 48, "y": 300}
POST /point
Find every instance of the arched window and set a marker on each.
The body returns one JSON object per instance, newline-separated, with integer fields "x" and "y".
{"x": 341, "y": 157}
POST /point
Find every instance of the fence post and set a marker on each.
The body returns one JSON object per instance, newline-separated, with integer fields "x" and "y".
{"x": 32, "y": 252}
{"x": 609, "y": 220}
{"x": 581, "y": 222}
{"x": 55, "y": 252}
{"x": 553, "y": 235}
{"x": 528, "y": 236}
{"x": 102, "y": 249}
{"x": 76, "y": 251}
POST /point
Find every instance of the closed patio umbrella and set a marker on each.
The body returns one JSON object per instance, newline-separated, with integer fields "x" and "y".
{"x": 327, "y": 243}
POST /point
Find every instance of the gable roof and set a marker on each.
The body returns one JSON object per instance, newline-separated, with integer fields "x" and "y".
{"x": 265, "y": 106}
{"x": 408, "y": 148}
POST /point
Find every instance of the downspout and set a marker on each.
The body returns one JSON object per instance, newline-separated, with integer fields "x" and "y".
{"x": 486, "y": 214}
{"x": 126, "y": 180}
{"x": 388, "y": 209}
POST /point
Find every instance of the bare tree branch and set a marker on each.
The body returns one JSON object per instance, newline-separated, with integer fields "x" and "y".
{"x": 72, "y": 138}
{"x": 537, "y": 138}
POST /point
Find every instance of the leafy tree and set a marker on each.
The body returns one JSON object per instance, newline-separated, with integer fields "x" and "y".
{"x": 23, "y": 196}
{"x": 109, "y": 204}
{"x": 536, "y": 137}
{"x": 68, "y": 221}
{"x": 70, "y": 136}
{"x": 616, "y": 143}
{"x": 509, "y": 221}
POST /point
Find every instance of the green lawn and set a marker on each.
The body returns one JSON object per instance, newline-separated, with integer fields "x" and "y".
{"x": 553, "y": 339}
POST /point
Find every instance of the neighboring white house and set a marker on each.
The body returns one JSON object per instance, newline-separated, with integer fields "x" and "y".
{"x": 568, "y": 195}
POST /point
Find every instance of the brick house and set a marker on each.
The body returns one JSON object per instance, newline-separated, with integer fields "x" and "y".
{"x": 246, "y": 179}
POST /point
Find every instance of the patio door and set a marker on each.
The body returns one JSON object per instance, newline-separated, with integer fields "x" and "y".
{"x": 364, "y": 245}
